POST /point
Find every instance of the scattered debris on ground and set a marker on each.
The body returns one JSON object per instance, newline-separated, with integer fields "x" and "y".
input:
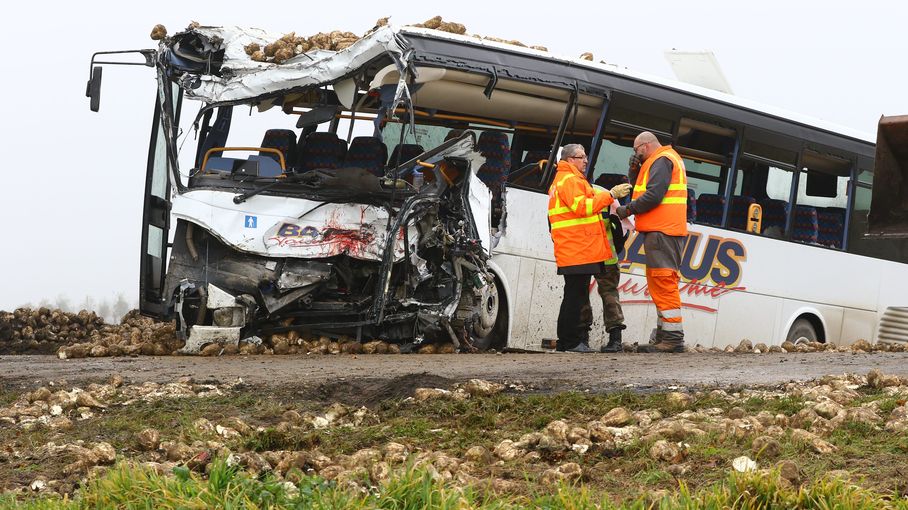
{"x": 476, "y": 433}
{"x": 84, "y": 335}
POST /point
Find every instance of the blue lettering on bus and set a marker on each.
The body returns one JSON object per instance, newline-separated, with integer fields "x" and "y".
{"x": 716, "y": 258}
{"x": 288, "y": 230}
{"x": 291, "y": 230}
{"x": 700, "y": 271}
{"x": 634, "y": 252}
{"x": 727, "y": 270}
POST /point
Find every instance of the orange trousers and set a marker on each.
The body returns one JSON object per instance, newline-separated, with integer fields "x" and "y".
{"x": 663, "y": 287}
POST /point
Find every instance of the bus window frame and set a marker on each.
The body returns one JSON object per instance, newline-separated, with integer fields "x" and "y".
{"x": 795, "y": 188}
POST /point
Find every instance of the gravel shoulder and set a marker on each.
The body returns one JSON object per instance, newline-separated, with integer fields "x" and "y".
{"x": 545, "y": 372}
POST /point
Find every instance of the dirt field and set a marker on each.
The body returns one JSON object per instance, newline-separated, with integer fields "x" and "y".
{"x": 545, "y": 372}
{"x": 479, "y": 431}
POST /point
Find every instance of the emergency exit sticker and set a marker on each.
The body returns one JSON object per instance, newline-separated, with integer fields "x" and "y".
{"x": 251, "y": 221}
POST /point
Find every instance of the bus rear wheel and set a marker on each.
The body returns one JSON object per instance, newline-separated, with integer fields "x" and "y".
{"x": 802, "y": 329}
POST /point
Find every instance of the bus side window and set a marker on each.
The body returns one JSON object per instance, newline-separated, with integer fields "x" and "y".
{"x": 746, "y": 193}
{"x": 705, "y": 193}
{"x": 529, "y": 154}
{"x": 822, "y": 199}
{"x": 612, "y": 157}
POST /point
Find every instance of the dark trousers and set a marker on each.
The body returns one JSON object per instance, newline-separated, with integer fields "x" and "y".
{"x": 607, "y": 284}
{"x": 571, "y": 331}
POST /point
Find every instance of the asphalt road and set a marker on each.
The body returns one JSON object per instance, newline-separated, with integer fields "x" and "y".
{"x": 552, "y": 372}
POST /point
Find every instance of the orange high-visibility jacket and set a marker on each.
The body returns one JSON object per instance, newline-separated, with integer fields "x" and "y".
{"x": 670, "y": 216}
{"x": 574, "y": 218}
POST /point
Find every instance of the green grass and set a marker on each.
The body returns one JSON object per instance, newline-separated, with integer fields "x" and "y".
{"x": 129, "y": 487}
{"x": 874, "y": 457}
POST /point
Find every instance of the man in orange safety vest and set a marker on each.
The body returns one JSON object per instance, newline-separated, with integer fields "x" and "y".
{"x": 579, "y": 236}
{"x": 659, "y": 205}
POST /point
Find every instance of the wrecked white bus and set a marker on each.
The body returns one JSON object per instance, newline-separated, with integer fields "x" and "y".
{"x": 397, "y": 190}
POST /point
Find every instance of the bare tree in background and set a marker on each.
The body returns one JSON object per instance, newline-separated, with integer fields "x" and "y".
{"x": 63, "y": 303}
{"x": 89, "y": 304}
{"x": 104, "y": 310}
{"x": 120, "y": 307}
{"x": 45, "y": 303}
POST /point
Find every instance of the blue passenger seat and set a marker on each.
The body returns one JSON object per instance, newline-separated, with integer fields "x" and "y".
{"x": 804, "y": 229}
{"x": 691, "y": 205}
{"x": 322, "y": 150}
{"x": 369, "y": 153}
{"x": 774, "y": 214}
{"x": 285, "y": 141}
{"x": 709, "y": 209}
{"x": 737, "y": 213}
{"x": 830, "y": 226}
{"x": 494, "y": 146}
{"x": 407, "y": 152}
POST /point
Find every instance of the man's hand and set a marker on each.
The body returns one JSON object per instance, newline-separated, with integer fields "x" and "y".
{"x": 622, "y": 212}
{"x": 620, "y": 190}
{"x": 633, "y": 164}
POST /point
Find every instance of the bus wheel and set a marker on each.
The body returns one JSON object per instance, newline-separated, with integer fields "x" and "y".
{"x": 491, "y": 330}
{"x": 802, "y": 328}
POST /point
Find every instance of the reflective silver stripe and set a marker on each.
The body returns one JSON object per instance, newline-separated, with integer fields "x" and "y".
{"x": 672, "y": 326}
{"x": 674, "y": 313}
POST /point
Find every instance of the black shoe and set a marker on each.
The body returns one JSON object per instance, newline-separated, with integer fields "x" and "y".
{"x": 664, "y": 347}
{"x": 582, "y": 347}
{"x": 614, "y": 342}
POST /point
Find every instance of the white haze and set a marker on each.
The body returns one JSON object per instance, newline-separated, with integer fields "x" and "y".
{"x": 73, "y": 180}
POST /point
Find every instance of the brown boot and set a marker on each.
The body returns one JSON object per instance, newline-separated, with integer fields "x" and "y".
{"x": 665, "y": 341}
{"x": 655, "y": 336}
{"x": 664, "y": 346}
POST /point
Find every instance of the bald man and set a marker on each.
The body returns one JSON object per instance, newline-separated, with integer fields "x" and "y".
{"x": 659, "y": 204}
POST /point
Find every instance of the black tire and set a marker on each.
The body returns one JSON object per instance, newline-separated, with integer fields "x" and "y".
{"x": 497, "y": 338}
{"x": 802, "y": 328}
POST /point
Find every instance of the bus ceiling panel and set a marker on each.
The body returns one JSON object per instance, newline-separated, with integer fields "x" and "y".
{"x": 772, "y": 146}
{"x": 826, "y": 163}
{"x": 508, "y": 106}
{"x": 702, "y": 156}
{"x": 689, "y": 125}
{"x": 425, "y": 74}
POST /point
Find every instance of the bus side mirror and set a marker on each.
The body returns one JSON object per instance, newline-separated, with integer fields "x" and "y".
{"x": 93, "y": 90}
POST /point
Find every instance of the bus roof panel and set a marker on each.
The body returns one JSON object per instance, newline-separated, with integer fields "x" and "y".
{"x": 240, "y": 79}
{"x": 533, "y": 65}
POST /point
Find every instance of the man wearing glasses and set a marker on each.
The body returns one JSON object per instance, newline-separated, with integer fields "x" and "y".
{"x": 659, "y": 204}
{"x": 578, "y": 234}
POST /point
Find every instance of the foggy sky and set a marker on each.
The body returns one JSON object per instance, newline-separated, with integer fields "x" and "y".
{"x": 73, "y": 180}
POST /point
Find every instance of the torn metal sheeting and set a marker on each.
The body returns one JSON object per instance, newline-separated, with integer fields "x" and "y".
{"x": 242, "y": 78}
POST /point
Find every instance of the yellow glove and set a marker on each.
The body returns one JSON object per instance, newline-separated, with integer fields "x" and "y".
{"x": 620, "y": 190}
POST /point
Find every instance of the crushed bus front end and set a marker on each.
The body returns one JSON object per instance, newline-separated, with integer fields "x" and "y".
{"x": 363, "y": 263}
{"x": 298, "y": 235}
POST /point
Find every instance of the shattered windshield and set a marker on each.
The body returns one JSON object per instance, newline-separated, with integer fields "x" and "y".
{"x": 247, "y": 147}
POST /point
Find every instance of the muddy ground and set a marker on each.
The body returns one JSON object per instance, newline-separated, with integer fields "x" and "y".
{"x": 364, "y": 375}
{"x": 514, "y": 425}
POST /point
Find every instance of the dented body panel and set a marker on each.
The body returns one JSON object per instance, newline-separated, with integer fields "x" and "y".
{"x": 289, "y": 227}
